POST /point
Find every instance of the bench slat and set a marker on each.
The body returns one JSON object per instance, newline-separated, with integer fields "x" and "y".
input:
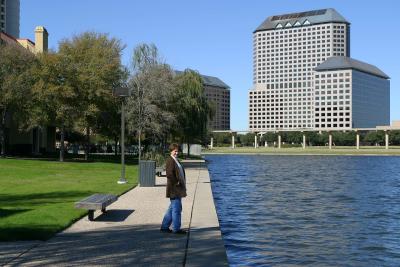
{"x": 96, "y": 201}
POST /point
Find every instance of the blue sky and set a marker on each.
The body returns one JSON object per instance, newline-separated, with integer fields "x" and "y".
{"x": 215, "y": 36}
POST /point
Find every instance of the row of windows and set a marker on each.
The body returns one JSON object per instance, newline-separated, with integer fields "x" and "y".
{"x": 332, "y": 114}
{"x": 291, "y": 47}
{"x": 329, "y": 75}
{"x": 302, "y": 29}
{"x": 304, "y": 35}
{"x": 334, "y": 92}
{"x": 263, "y": 92}
{"x": 334, "y": 125}
{"x": 332, "y": 103}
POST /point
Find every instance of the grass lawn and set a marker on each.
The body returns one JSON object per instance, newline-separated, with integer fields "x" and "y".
{"x": 393, "y": 150}
{"x": 37, "y": 196}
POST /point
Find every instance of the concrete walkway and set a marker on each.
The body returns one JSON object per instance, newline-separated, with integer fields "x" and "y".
{"x": 128, "y": 234}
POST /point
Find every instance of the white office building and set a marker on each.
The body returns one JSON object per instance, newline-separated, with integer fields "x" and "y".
{"x": 350, "y": 94}
{"x": 9, "y": 17}
{"x": 286, "y": 50}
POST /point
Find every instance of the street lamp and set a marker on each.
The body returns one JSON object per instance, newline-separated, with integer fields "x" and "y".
{"x": 122, "y": 92}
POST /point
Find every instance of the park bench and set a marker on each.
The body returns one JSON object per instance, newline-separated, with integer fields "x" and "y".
{"x": 96, "y": 202}
{"x": 160, "y": 171}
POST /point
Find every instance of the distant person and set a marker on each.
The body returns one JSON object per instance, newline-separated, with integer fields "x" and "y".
{"x": 176, "y": 190}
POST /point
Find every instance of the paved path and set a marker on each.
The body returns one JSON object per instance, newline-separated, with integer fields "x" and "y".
{"x": 128, "y": 234}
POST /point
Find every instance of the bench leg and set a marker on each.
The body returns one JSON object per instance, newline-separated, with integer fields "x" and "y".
{"x": 91, "y": 215}
{"x": 103, "y": 210}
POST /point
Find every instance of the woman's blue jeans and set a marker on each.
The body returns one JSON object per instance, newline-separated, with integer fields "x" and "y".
{"x": 173, "y": 215}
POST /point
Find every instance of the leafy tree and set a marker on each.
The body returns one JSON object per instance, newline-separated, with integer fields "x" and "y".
{"x": 270, "y": 137}
{"x": 344, "y": 138}
{"x": 311, "y": 138}
{"x": 97, "y": 61}
{"x": 375, "y": 137}
{"x": 317, "y": 139}
{"x": 15, "y": 83}
{"x": 56, "y": 95}
{"x": 395, "y": 137}
{"x": 293, "y": 137}
{"x": 246, "y": 139}
{"x": 150, "y": 106}
{"x": 191, "y": 107}
{"x": 221, "y": 139}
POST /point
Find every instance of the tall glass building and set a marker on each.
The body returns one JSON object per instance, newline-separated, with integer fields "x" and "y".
{"x": 9, "y": 17}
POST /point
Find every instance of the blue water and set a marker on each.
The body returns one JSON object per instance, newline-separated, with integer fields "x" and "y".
{"x": 308, "y": 210}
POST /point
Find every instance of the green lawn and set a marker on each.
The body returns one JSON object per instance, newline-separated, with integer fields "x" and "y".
{"x": 395, "y": 150}
{"x": 37, "y": 196}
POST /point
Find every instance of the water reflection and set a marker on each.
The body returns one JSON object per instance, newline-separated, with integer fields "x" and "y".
{"x": 308, "y": 210}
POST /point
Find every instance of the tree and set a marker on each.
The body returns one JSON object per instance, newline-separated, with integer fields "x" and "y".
{"x": 108, "y": 123}
{"x": 247, "y": 139}
{"x": 15, "y": 84}
{"x": 56, "y": 96}
{"x": 395, "y": 137}
{"x": 270, "y": 137}
{"x": 344, "y": 138}
{"x": 97, "y": 60}
{"x": 150, "y": 106}
{"x": 375, "y": 137}
{"x": 191, "y": 107}
{"x": 222, "y": 138}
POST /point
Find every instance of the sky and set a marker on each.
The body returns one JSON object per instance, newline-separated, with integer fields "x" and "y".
{"x": 214, "y": 37}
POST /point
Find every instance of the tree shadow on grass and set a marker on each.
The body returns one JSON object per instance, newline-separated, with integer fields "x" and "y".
{"x": 28, "y": 232}
{"x": 9, "y": 212}
{"x": 42, "y": 198}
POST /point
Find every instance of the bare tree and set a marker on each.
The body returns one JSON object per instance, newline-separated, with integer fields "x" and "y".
{"x": 149, "y": 110}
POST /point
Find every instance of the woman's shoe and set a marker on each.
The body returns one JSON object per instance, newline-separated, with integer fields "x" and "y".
{"x": 180, "y": 232}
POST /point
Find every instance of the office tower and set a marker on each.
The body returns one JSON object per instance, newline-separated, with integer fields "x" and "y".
{"x": 350, "y": 94}
{"x": 218, "y": 93}
{"x": 286, "y": 49}
{"x": 9, "y": 17}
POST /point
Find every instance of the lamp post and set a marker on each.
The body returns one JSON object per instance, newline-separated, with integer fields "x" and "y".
{"x": 122, "y": 92}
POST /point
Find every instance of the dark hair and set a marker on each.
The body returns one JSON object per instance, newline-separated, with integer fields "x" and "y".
{"x": 173, "y": 146}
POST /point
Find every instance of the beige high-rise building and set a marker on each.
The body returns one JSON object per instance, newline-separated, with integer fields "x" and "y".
{"x": 286, "y": 49}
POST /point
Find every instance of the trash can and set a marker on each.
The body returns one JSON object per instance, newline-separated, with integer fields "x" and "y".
{"x": 147, "y": 173}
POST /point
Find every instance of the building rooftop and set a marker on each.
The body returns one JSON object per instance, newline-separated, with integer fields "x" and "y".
{"x": 341, "y": 63}
{"x": 210, "y": 81}
{"x": 214, "y": 81}
{"x": 301, "y": 19}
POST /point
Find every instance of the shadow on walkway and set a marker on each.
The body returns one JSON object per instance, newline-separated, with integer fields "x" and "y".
{"x": 114, "y": 216}
{"x": 122, "y": 246}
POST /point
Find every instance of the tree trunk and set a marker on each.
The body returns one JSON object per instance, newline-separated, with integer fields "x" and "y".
{"x": 2, "y": 134}
{"x": 188, "y": 150}
{"x": 62, "y": 133}
{"x": 140, "y": 146}
{"x": 2, "y": 140}
{"x": 87, "y": 146}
